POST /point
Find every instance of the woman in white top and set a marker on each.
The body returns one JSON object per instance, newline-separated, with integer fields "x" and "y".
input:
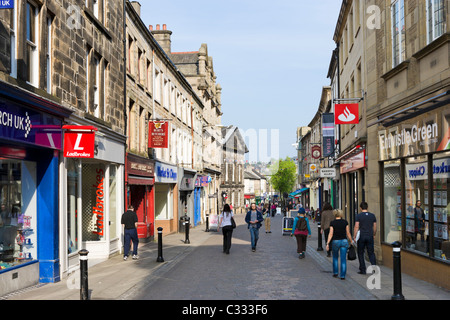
{"x": 227, "y": 228}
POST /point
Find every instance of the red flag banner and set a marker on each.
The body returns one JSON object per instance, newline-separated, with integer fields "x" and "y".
{"x": 346, "y": 113}
{"x": 158, "y": 136}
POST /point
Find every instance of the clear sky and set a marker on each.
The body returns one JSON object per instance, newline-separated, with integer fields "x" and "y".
{"x": 270, "y": 57}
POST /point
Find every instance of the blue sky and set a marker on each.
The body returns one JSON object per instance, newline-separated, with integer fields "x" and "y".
{"x": 270, "y": 57}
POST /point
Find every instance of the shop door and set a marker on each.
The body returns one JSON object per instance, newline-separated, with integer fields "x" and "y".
{"x": 137, "y": 200}
{"x": 353, "y": 189}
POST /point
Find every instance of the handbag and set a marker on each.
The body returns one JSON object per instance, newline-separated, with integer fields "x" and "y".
{"x": 351, "y": 253}
{"x": 233, "y": 223}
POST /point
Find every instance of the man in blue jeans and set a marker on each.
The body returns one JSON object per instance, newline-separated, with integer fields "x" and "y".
{"x": 129, "y": 222}
{"x": 366, "y": 224}
{"x": 254, "y": 219}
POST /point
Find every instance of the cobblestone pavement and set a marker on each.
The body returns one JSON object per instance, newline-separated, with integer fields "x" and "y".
{"x": 273, "y": 272}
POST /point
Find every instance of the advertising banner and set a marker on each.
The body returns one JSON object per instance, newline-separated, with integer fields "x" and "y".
{"x": 79, "y": 142}
{"x": 346, "y": 113}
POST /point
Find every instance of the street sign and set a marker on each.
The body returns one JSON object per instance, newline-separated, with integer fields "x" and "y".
{"x": 328, "y": 173}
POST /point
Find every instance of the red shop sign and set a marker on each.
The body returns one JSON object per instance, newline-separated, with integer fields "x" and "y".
{"x": 346, "y": 113}
{"x": 79, "y": 141}
{"x": 158, "y": 136}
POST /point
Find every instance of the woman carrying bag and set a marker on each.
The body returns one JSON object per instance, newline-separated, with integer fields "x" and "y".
{"x": 301, "y": 230}
{"x": 339, "y": 238}
{"x": 226, "y": 221}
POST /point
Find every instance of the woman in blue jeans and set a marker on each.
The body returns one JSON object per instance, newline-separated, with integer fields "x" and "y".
{"x": 339, "y": 233}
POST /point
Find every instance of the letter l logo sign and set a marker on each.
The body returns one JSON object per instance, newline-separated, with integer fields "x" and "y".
{"x": 77, "y": 143}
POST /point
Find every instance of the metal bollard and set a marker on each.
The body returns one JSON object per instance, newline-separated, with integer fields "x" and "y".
{"x": 319, "y": 238}
{"x": 397, "y": 272}
{"x": 207, "y": 223}
{"x": 187, "y": 227}
{"x": 84, "y": 288}
{"x": 160, "y": 257}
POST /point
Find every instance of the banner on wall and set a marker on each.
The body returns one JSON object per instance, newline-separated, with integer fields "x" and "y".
{"x": 327, "y": 134}
{"x": 158, "y": 136}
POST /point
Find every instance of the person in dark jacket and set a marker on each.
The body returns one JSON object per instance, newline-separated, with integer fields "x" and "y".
{"x": 254, "y": 219}
{"x": 129, "y": 222}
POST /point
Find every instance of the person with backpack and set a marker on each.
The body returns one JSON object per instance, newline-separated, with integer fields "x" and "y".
{"x": 301, "y": 231}
{"x": 227, "y": 227}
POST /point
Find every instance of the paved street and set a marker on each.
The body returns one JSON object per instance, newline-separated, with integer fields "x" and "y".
{"x": 200, "y": 271}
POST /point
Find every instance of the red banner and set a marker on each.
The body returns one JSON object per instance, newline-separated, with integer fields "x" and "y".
{"x": 346, "y": 113}
{"x": 79, "y": 142}
{"x": 158, "y": 136}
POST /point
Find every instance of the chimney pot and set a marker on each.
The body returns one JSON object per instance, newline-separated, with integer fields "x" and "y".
{"x": 151, "y": 27}
{"x": 164, "y": 27}
{"x": 158, "y": 27}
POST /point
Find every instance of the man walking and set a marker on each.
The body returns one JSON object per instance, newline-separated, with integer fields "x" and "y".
{"x": 129, "y": 222}
{"x": 254, "y": 219}
{"x": 366, "y": 224}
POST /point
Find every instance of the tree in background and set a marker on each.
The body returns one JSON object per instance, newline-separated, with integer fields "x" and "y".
{"x": 284, "y": 175}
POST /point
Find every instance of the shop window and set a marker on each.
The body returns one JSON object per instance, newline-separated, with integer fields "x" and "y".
{"x": 441, "y": 205}
{"x": 113, "y": 205}
{"x": 93, "y": 198}
{"x": 17, "y": 213}
{"x": 392, "y": 202}
{"x": 72, "y": 205}
{"x": 416, "y": 195}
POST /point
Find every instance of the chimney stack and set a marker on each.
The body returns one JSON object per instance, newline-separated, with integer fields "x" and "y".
{"x": 137, "y": 7}
{"x": 163, "y": 37}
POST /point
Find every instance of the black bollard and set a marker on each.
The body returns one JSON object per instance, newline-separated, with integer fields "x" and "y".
{"x": 207, "y": 223}
{"x": 84, "y": 288}
{"x": 397, "y": 272}
{"x": 160, "y": 257}
{"x": 319, "y": 238}
{"x": 187, "y": 227}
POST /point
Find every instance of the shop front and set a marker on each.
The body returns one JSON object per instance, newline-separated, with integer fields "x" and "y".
{"x": 352, "y": 176}
{"x": 140, "y": 179}
{"x": 92, "y": 199}
{"x": 166, "y": 197}
{"x": 30, "y": 142}
{"x": 186, "y": 187}
{"x": 201, "y": 182}
{"x": 414, "y": 157}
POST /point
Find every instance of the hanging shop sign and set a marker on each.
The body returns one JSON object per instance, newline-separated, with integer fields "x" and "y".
{"x": 316, "y": 152}
{"x": 79, "y": 141}
{"x": 328, "y": 173}
{"x": 158, "y": 136}
{"x": 346, "y": 113}
{"x": 426, "y": 133}
{"x": 327, "y": 134}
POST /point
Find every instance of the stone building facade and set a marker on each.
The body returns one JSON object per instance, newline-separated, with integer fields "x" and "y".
{"x": 61, "y": 64}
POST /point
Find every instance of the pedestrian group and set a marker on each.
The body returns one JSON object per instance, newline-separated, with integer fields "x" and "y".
{"x": 334, "y": 227}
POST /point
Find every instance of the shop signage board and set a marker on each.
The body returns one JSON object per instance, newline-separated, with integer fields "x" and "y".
{"x": 354, "y": 162}
{"x": 30, "y": 126}
{"x": 79, "y": 142}
{"x": 165, "y": 173}
{"x": 158, "y": 136}
{"x": 427, "y": 133}
{"x": 328, "y": 173}
{"x": 6, "y": 4}
{"x": 346, "y": 113}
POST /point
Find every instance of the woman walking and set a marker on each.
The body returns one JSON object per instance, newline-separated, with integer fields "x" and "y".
{"x": 227, "y": 229}
{"x": 339, "y": 233}
{"x": 301, "y": 230}
{"x": 266, "y": 217}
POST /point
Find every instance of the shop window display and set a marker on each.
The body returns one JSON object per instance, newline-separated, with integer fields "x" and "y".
{"x": 17, "y": 213}
{"x": 417, "y": 218}
{"x": 72, "y": 205}
{"x": 441, "y": 205}
{"x": 392, "y": 202}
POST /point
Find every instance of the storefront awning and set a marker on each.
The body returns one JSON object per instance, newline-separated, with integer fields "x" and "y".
{"x": 297, "y": 193}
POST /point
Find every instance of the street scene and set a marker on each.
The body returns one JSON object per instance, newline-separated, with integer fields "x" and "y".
{"x": 224, "y": 151}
